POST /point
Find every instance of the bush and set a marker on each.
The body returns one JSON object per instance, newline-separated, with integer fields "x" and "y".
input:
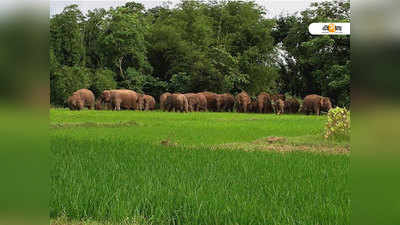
{"x": 102, "y": 79}
{"x": 179, "y": 83}
{"x": 143, "y": 83}
{"x": 65, "y": 80}
{"x": 338, "y": 125}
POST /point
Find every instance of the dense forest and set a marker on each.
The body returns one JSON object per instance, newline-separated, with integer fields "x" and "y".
{"x": 219, "y": 46}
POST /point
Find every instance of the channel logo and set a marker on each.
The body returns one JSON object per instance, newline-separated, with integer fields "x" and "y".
{"x": 329, "y": 28}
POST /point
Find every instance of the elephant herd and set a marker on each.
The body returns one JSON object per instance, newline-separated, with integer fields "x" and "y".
{"x": 198, "y": 102}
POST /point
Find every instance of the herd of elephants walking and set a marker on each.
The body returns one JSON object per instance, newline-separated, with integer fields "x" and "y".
{"x": 195, "y": 102}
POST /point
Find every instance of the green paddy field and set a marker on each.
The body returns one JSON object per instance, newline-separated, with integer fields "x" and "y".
{"x": 132, "y": 167}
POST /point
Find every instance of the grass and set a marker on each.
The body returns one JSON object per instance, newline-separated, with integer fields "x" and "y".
{"x": 173, "y": 168}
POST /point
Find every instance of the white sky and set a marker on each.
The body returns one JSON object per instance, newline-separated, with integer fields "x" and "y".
{"x": 274, "y": 7}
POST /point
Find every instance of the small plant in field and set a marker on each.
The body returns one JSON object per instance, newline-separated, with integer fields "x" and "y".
{"x": 338, "y": 124}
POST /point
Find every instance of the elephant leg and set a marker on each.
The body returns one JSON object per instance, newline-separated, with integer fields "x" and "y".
{"x": 118, "y": 105}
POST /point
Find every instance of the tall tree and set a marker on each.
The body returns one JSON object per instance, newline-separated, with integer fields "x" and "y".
{"x": 315, "y": 64}
{"x": 123, "y": 42}
{"x": 66, "y": 36}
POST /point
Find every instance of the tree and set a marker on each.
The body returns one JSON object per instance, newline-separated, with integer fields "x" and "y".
{"x": 65, "y": 81}
{"x": 102, "y": 79}
{"x": 315, "y": 64}
{"x": 93, "y": 31}
{"x": 123, "y": 42}
{"x": 66, "y": 37}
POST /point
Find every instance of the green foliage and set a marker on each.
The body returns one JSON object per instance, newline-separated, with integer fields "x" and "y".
{"x": 220, "y": 46}
{"x": 179, "y": 83}
{"x": 338, "y": 124}
{"x": 314, "y": 64}
{"x": 143, "y": 83}
{"x": 65, "y": 80}
{"x": 66, "y": 38}
{"x": 123, "y": 41}
{"x": 101, "y": 80}
{"x": 93, "y": 32}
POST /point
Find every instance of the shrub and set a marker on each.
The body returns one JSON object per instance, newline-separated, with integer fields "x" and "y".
{"x": 179, "y": 83}
{"x": 65, "y": 80}
{"x": 338, "y": 124}
{"x": 103, "y": 79}
{"x": 143, "y": 83}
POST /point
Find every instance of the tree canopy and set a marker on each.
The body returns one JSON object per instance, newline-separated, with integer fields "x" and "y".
{"x": 219, "y": 46}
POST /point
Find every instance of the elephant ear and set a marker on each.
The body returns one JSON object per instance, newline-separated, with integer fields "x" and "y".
{"x": 321, "y": 102}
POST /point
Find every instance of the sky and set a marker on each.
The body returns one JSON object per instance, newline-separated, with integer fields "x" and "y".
{"x": 274, "y": 7}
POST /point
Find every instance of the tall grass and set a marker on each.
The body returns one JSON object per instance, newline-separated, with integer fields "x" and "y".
{"x": 116, "y": 173}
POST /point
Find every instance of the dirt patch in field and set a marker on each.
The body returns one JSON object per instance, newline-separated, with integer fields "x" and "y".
{"x": 169, "y": 143}
{"x": 93, "y": 124}
{"x": 281, "y": 144}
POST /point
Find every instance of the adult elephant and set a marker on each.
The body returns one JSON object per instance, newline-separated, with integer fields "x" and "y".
{"x": 227, "y": 102}
{"x": 147, "y": 102}
{"x": 316, "y": 103}
{"x": 243, "y": 100}
{"x": 202, "y": 105}
{"x": 163, "y": 99}
{"x": 80, "y": 99}
{"x": 180, "y": 103}
{"x": 169, "y": 103}
{"x": 278, "y": 106}
{"x": 213, "y": 101}
{"x": 264, "y": 103}
{"x": 292, "y": 105}
{"x": 123, "y": 98}
{"x": 193, "y": 102}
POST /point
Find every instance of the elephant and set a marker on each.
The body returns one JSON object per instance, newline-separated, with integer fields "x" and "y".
{"x": 125, "y": 99}
{"x": 253, "y": 106}
{"x": 146, "y": 102}
{"x": 193, "y": 102}
{"x": 278, "y": 96}
{"x": 180, "y": 102}
{"x": 202, "y": 105}
{"x": 315, "y": 103}
{"x": 163, "y": 99}
{"x": 279, "y": 106}
{"x": 226, "y": 102}
{"x": 243, "y": 100}
{"x": 169, "y": 103}
{"x": 292, "y": 105}
{"x": 99, "y": 105}
{"x": 81, "y": 98}
{"x": 213, "y": 101}
{"x": 264, "y": 103}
